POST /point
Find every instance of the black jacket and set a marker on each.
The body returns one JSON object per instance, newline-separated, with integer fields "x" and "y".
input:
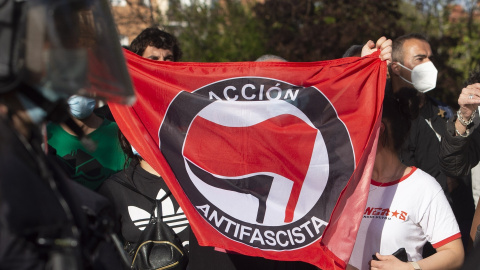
{"x": 458, "y": 155}
{"x": 134, "y": 210}
{"x": 47, "y": 221}
{"x": 422, "y": 145}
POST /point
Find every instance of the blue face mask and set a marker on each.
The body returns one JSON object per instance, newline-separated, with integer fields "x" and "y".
{"x": 135, "y": 152}
{"x": 81, "y": 107}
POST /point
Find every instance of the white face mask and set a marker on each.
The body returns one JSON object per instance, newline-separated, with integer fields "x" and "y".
{"x": 424, "y": 76}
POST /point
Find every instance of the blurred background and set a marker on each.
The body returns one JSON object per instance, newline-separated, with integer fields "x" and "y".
{"x": 309, "y": 30}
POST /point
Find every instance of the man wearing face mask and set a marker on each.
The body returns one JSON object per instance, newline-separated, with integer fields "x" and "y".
{"x": 412, "y": 66}
{"x": 85, "y": 163}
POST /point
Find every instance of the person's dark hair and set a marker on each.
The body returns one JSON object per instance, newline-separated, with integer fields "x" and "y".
{"x": 155, "y": 37}
{"x": 270, "y": 57}
{"x": 399, "y": 110}
{"x": 473, "y": 78}
{"x": 397, "y": 46}
{"x": 127, "y": 149}
{"x": 354, "y": 50}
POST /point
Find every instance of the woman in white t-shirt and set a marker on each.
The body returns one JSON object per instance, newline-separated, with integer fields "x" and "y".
{"x": 406, "y": 207}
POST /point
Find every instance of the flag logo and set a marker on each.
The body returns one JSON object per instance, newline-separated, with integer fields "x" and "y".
{"x": 251, "y": 155}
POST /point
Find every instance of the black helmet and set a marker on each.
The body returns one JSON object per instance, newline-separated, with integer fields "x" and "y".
{"x": 62, "y": 47}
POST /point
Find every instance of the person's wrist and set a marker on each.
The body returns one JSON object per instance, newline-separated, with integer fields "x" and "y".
{"x": 463, "y": 119}
{"x": 460, "y": 129}
{"x": 465, "y": 112}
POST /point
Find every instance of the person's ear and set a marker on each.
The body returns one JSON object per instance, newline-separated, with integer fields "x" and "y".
{"x": 382, "y": 136}
{"x": 395, "y": 67}
{"x": 382, "y": 128}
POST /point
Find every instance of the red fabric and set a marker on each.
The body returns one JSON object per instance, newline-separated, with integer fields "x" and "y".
{"x": 448, "y": 240}
{"x": 215, "y": 122}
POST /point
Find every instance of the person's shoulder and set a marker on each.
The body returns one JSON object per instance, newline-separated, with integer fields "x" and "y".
{"x": 421, "y": 174}
{"x": 122, "y": 176}
{"x": 113, "y": 182}
{"x": 53, "y": 127}
{"x": 109, "y": 124}
{"x": 423, "y": 181}
{"x": 116, "y": 178}
{"x": 421, "y": 189}
{"x": 108, "y": 127}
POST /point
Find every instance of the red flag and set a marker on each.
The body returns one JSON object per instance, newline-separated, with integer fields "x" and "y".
{"x": 268, "y": 159}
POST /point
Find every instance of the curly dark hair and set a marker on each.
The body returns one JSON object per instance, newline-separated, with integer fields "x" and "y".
{"x": 155, "y": 37}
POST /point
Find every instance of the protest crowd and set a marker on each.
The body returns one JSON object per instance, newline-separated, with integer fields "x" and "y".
{"x": 79, "y": 191}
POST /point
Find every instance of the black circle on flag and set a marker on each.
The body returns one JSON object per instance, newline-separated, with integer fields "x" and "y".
{"x": 261, "y": 160}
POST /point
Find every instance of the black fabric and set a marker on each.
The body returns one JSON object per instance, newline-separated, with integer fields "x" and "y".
{"x": 207, "y": 258}
{"x": 39, "y": 204}
{"x": 104, "y": 112}
{"x": 29, "y": 208}
{"x": 97, "y": 218}
{"x": 459, "y": 155}
{"x": 463, "y": 207}
{"x": 134, "y": 209}
{"x": 422, "y": 145}
{"x": 472, "y": 259}
{"x": 11, "y": 19}
{"x": 476, "y": 241}
{"x": 132, "y": 188}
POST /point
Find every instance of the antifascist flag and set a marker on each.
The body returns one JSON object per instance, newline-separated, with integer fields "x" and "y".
{"x": 268, "y": 159}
